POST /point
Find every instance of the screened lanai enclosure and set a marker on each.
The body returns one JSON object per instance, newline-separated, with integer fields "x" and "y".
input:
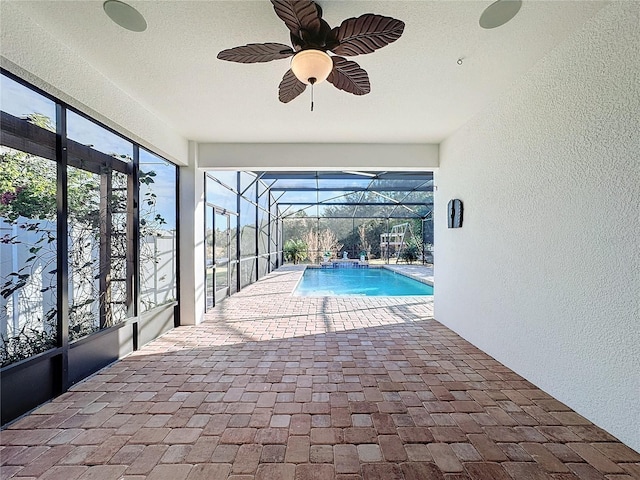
{"x": 256, "y": 221}
{"x": 89, "y": 234}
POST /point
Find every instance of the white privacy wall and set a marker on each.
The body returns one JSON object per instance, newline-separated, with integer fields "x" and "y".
{"x": 545, "y": 273}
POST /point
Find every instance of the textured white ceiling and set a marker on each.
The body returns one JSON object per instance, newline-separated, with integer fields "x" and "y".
{"x": 419, "y": 94}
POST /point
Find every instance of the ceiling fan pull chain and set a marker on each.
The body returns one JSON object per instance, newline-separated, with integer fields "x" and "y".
{"x": 311, "y": 82}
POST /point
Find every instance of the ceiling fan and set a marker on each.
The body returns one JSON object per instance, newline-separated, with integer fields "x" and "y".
{"x": 312, "y": 37}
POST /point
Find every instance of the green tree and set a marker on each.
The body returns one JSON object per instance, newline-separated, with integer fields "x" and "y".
{"x": 296, "y": 226}
{"x": 295, "y": 250}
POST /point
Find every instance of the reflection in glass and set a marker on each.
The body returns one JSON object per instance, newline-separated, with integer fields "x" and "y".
{"x": 88, "y": 133}
{"x": 209, "y": 256}
{"x": 157, "y": 231}
{"x": 97, "y": 250}
{"x": 28, "y": 251}
{"x": 84, "y": 252}
{"x": 22, "y": 102}
{"x": 116, "y": 286}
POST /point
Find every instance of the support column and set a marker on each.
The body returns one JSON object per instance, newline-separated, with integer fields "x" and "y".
{"x": 192, "y": 241}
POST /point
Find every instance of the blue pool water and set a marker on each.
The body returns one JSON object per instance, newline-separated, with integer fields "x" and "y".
{"x": 318, "y": 282}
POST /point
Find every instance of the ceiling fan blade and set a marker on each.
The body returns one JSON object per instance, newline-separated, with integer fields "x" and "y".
{"x": 299, "y": 16}
{"x": 290, "y": 87}
{"x": 256, "y": 53}
{"x": 366, "y": 34}
{"x": 349, "y": 76}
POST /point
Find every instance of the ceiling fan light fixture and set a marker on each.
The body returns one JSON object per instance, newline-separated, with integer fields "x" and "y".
{"x": 311, "y": 66}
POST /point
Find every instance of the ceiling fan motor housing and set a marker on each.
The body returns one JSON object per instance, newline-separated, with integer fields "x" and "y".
{"x": 311, "y": 37}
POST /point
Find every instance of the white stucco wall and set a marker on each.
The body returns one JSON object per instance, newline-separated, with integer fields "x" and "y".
{"x": 31, "y": 53}
{"x": 318, "y": 156}
{"x": 545, "y": 273}
{"x": 192, "y": 261}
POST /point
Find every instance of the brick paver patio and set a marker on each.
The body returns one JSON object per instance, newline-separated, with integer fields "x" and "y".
{"x": 276, "y": 387}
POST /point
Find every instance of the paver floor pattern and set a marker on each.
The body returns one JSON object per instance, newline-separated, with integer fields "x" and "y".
{"x": 276, "y": 387}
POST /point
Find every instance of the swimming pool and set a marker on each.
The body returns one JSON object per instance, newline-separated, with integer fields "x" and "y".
{"x": 376, "y": 282}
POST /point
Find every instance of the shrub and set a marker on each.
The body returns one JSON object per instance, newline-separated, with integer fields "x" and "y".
{"x": 410, "y": 253}
{"x": 295, "y": 250}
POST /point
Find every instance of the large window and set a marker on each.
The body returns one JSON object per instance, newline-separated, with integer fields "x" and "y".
{"x": 28, "y": 228}
{"x": 86, "y": 193}
{"x": 28, "y": 246}
{"x": 99, "y": 207}
{"x": 158, "y": 248}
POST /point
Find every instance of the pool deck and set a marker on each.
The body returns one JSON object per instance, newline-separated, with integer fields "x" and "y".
{"x": 277, "y": 387}
{"x": 421, "y": 273}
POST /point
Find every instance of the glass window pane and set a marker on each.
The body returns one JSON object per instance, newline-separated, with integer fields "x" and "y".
{"x": 209, "y": 238}
{"x": 84, "y": 252}
{"x": 116, "y": 293}
{"x": 90, "y": 134}
{"x": 158, "y": 249}
{"x": 22, "y": 102}
{"x": 28, "y": 255}
{"x": 98, "y": 296}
